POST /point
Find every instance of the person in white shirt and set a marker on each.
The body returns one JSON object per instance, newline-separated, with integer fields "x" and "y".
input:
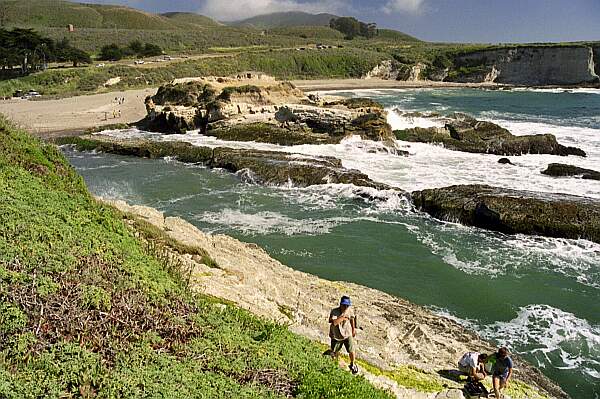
{"x": 472, "y": 364}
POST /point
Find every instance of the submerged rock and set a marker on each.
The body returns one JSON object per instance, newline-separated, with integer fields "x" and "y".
{"x": 560, "y": 170}
{"x": 267, "y": 167}
{"x": 514, "y": 211}
{"x": 505, "y": 161}
{"x": 464, "y": 133}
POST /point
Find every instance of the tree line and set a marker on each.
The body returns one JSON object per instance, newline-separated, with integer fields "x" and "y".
{"x": 352, "y": 27}
{"x": 113, "y": 52}
{"x": 25, "y": 51}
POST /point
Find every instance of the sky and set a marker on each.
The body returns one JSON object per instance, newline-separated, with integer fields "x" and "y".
{"x": 480, "y": 21}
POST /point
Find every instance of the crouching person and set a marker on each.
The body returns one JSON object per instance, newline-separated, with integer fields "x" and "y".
{"x": 342, "y": 330}
{"x": 472, "y": 365}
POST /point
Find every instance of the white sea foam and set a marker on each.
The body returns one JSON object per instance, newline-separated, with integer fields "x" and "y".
{"x": 495, "y": 254}
{"x": 553, "y": 336}
{"x": 267, "y": 222}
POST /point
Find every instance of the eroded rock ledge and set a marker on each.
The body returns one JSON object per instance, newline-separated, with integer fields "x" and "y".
{"x": 464, "y": 133}
{"x": 514, "y": 211}
{"x": 392, "y": 331}
{"x": 267, "y": 167}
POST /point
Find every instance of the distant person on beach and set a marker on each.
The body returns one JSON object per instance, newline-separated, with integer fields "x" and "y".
{"x": 472, "y": 364}
{"x": 501, "y": 371}
{"x": 342, "y": 330}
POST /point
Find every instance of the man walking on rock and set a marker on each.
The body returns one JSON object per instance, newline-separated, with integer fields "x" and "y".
{"x": 342, "y": 330}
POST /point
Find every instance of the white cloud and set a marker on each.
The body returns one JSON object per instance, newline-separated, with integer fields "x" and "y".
{"x": 232, "y": 10}
{"x": 404, "y": 6}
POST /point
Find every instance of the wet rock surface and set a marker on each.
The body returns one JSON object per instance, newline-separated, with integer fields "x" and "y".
{"x": 266, "y": 167}
{"x": 464, "y": 133}
{"x": 514, "y": 211}
{"x": 563, "y": 170}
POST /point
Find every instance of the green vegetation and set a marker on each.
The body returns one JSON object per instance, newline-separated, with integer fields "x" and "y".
{"x": 290, "y": 64}
{"x": 112, "y": 52}
{"x": 409, "y": 377}
{"x": 351, "y": 27}
{"x": 29, "y": 52}
{"x": 192, "y": 18}
{"x": 89, "y": 310}
{"x": 290, "y": 18}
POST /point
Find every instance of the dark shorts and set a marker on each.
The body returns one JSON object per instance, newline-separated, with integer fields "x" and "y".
{"x": 502, "y": 377}
{"x": 348, "y": 343}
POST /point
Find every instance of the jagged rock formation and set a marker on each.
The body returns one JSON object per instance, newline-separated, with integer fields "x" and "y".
{"x": 224, "y": 108}
{"x": 560, "y": 170}
{"x": 514, "y": 211}
{"x": 267, "y": 167}
{"x": 464, "y": 133}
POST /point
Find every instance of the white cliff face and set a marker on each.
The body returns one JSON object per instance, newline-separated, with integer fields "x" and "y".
{"x": 536, "y": 65}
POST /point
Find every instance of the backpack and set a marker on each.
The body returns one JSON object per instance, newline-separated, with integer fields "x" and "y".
{"x": 475, "y": 389}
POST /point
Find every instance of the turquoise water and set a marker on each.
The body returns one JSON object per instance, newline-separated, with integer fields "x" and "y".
{"x": 537, "y": 295}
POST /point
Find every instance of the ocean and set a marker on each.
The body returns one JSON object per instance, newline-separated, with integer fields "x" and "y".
{"x": 539, "y": 296}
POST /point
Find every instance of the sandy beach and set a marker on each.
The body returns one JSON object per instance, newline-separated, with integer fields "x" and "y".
{"x": 72, "y": 115}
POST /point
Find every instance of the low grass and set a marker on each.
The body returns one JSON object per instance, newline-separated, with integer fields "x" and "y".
{"x": 87, "y": 309}
{"x": 289, "y": 64}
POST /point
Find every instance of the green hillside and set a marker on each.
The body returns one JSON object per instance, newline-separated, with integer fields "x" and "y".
{"x": 291, "y": 18}
{"x": 191, "y": 18}
{"x": 92, "y": 305}
{"x": 59, "y": 13}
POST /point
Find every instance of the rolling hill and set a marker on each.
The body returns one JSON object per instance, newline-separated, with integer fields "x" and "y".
{"x": 280, "y": 19}
{"x": 192, "y": 19}
{"x": 59, "y": 13}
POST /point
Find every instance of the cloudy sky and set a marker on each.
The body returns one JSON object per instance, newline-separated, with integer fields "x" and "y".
{"x": 490, "y": 21}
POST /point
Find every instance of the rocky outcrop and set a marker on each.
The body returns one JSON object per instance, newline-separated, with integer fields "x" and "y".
{"x": 513, "y": 211}
{"x": 392, "y": 332}
{"x": 527, "y": 65}
{"x": 266, "y": 167}
{"x": 463, "y": 133}
{"x": 561, "y": 170}
{"x": 277, "y": 108}
{"x": 394, "y": 70}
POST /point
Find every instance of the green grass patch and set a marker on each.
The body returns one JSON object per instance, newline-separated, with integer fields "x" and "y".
{"x": 408, "y": 377}
{"x": 289, "y": 64}
{"x": 88, "y": 309}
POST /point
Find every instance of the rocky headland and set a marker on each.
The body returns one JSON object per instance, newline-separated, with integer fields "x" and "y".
{"x": 462, "y": 132}
{"x": 518, "y": 65}
{"x": 396, "y": 338}
{"x": 250, "y": 109}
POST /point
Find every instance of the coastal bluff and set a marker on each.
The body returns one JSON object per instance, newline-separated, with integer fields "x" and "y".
{"x": 518, "y": 65}
{"x": 392, "y": 332}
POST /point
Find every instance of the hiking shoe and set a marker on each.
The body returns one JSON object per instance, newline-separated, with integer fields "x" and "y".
{"x": 353, "y": 368}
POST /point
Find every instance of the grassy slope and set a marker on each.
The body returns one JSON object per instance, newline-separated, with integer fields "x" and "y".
{"x": 290, "y": 64}
{"x": 290, "y": 18}
{"x": 87, "y": 309}
{"x": 59, "y": 13}
{"x": 191, "y": 18}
